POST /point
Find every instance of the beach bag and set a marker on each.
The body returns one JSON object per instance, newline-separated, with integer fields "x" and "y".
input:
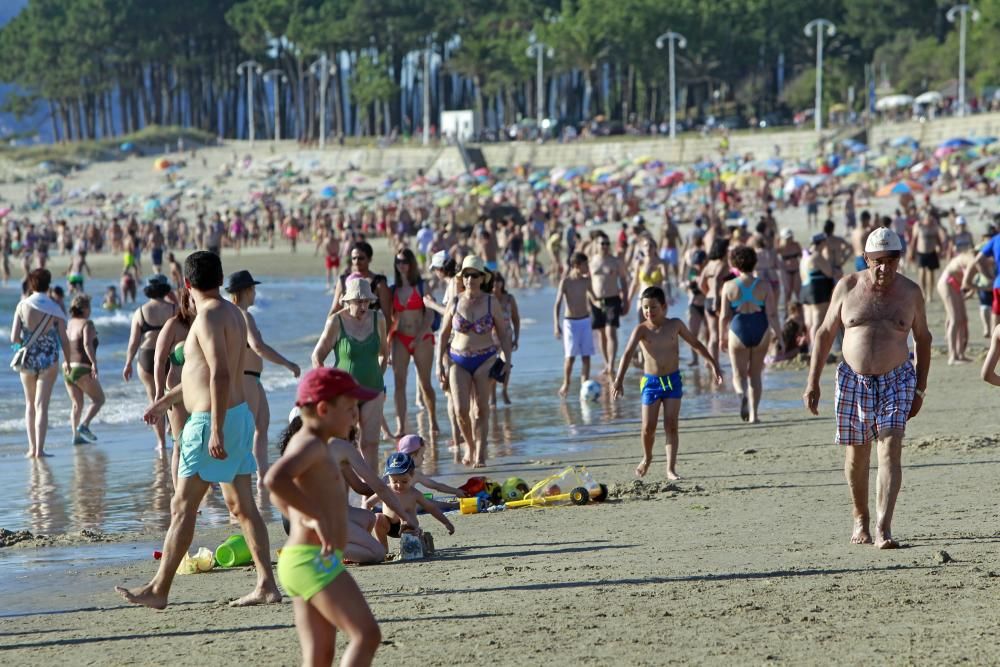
{"x": 17, "y": 362}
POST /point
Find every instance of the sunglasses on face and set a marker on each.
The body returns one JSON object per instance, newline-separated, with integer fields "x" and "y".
{"x": 605, "y": 244}
{"x": 402, "y": 260}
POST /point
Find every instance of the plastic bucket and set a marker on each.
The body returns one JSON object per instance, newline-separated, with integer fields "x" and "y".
{"x": 469, "y": 505}
{"x": 233, "y": 552}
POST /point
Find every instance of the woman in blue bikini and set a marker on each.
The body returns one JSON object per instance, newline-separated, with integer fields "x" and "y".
{"x": 467, "y": 339}
{"x": 750, "y": 312}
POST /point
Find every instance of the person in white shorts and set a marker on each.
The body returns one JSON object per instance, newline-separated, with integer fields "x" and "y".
{"x": 575, "y": 326}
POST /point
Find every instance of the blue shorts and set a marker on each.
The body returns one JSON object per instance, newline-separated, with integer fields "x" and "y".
{"x": 656, "y": 388}
{"x": 237, "y": 438}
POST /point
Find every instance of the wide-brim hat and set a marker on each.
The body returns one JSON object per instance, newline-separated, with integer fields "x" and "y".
{"x": 358, "y": 289}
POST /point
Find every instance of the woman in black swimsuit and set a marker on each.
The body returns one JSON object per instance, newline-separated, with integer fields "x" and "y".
{"x": 147, "y": 321}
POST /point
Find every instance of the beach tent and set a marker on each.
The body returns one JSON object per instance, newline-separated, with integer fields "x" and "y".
{"x": 905, "y": 140}
{"x": 956, "y": 143}
{"x": 930, "y": 97}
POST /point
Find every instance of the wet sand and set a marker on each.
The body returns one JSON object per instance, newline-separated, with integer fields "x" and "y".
{"x": 746, "y": 559}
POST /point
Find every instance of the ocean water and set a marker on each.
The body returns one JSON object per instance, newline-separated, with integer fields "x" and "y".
{"x": 121, "y": 484}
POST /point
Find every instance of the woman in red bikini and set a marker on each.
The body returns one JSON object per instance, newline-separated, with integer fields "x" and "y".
{"x": 411, "y": 337}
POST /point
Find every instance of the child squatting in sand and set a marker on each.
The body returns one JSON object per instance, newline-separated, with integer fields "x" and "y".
{"x": 661, "y": 383}
{"x": 308, "y": 484}
{"x": 400, "y": 470}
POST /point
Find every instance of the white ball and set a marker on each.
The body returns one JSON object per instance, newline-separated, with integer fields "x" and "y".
{"x": 590, "y": 391}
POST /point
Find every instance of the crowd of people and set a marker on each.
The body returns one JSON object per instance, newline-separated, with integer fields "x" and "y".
{"x": 450, "y": 311}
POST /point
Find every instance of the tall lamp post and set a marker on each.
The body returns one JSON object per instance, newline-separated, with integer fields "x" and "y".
{"x": 426, "y": 94}
{"x": 539, "y": 50}
{"x": 962, "y": 11}
{"x": 323, "y": 69}
{"x": 251, "y": 67}
{"x": 278, "y": 77}
{"x": 820, "y": 26}
{"x": 670, "y": 38}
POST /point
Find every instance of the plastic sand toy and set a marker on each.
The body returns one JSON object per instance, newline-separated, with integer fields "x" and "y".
{"x": 574, "y": 485}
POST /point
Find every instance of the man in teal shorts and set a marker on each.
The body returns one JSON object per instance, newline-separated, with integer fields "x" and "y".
{"x": 217, "y": 441}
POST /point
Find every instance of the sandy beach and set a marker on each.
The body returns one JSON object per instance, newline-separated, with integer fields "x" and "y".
{"x": 746, "y": 560}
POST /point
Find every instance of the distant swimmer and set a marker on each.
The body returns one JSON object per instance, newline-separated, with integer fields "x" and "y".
{"x": 878, "y": 389}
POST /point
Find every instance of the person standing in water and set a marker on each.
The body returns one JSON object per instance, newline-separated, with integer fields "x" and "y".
{"x": 169, "y": 361}
{"x": 242, "y": 290}
{"x": 81, "y": 379}
{"x": 878, "y": 389}
{"x": 610, "y": 285}
{"x": 750, "y": 313}
{"x": 217, "y": 442}
{"x": 147, "y": 322}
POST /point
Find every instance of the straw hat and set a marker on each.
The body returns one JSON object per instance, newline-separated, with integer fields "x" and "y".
{"x": 358, "y": 289}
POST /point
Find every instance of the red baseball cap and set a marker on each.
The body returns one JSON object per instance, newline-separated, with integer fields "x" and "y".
{"x": 324, "y": 384}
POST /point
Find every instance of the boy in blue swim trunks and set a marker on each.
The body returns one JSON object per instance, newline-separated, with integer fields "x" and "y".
{"x": 658, "y": 336}
{"x": 308, "y": 485}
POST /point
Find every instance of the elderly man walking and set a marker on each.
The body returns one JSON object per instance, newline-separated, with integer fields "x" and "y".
{"x": 878, "y": 389}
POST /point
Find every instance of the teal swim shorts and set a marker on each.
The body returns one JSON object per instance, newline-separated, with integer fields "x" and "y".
{"x": 237, "y": 438}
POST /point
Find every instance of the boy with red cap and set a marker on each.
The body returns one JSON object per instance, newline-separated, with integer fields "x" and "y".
{"x": 307, "y": 484}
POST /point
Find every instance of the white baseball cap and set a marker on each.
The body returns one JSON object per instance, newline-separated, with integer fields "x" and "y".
{"x": 787, "y": 233}
{"x": 883, "y": 240}
{"x": 960, "y": 220}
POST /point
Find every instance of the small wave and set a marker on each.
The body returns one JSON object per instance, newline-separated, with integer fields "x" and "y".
{"x": 278, "y": 381}
{"x": 118, "y": 318}
{"x": 4, "y": 333}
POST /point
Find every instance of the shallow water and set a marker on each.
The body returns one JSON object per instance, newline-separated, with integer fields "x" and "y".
{"x": 121, "y": 484}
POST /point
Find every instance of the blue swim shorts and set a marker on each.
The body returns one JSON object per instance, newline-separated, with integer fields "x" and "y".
{"x": 656, "y": 388}
{"x": 237, "y": 438}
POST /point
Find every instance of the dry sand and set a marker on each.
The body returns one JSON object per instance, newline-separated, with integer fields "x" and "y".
{"x": 745, "y": 561}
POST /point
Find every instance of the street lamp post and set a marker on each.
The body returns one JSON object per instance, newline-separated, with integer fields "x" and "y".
{"x": 539, "y": 50}
{"x": 323, "y": 69}
{"x": 251, "y": 67}
{"x": 962, "y": 11}
{"x": 670, "y": 38}
{"x": 427, "y": 90}
{"x": 277, "y": 76}
{"x": 820, "y": 26}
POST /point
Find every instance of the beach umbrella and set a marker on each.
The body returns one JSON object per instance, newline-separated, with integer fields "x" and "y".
{"x": 684, "y": 189}
{"x": 846, "y": 170}
{"x": 984, "y": 162}
{"x": 537, "y": 175}
{"x": 442, "y": 202}
{"x": 127, "y": 147}
{"x": 930, "y": 97}
{"x": 482, "y": 171}
{"x": 151, "y": 206}
{"x": 904, "y": 161}
{"x": 893, "y": 102}
{"x": 944, "y": 151}
{"x": 905, "y": 140}
{"x": 955, "y": 143}
{"x": 328, "y": 192}
{"x": 984, "y": 141}
{"x": 161, "y": 164}
{"x": 881, "y": 161}
{"x": 899, "y": 187}
{"x": 499, "y": 187}
{"x": 798, "y": 181}
{"x": 540, "y": 185}
{"x": 5, "y": 211}
{"x": 639, "y": 161}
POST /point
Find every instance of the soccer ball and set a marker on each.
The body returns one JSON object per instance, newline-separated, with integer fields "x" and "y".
{"x": 590, "y": 391}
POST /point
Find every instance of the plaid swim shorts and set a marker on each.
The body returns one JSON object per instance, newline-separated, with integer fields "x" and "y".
{"x": 866, "y": 405}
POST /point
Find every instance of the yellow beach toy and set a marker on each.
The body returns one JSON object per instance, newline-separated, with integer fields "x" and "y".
{"x": 552, "y": 490}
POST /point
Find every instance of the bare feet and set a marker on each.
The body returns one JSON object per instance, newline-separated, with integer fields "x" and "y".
{"x": 744, "y": 407}
{"x": 643, "y": 467}
{"x": 435, "y": 428}
{"x": 883, "y": 540}
{"x": 506, "y": 398}
{"x": 144, "y": 596}
{"x": 261, "y": 595}
{"x": 479, "y": 464}
{"x": 563, "y": 390}
{"x": 861, "y": 534}
{"x": 672, "y": 475}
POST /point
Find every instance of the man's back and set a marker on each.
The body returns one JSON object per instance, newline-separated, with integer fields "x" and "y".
{"x": 218, "y": 339}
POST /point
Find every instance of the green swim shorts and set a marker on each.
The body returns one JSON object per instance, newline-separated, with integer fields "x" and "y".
{"x": 237, "y": 438}
{"x": 304, "y": 572}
